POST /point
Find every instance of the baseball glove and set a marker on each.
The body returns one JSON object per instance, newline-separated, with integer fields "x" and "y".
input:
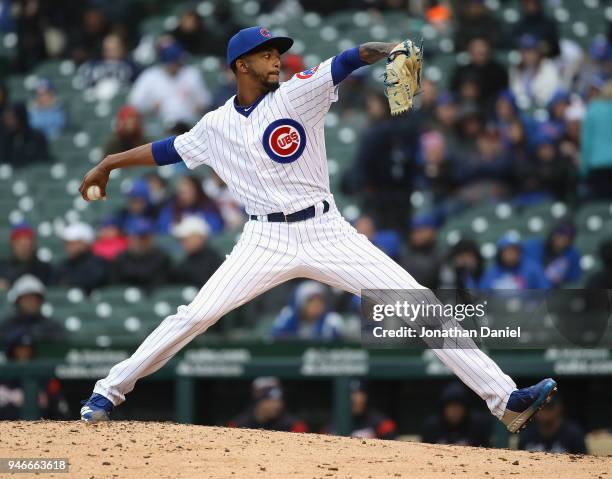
{"x": 402, "y": 78}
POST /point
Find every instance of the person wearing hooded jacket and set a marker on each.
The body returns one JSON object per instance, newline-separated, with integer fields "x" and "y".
{"x": 27, "y": 294}
{"x": 512, "y": 269}
{"x": 307, "y": 317}
{"x": 557, "y": 254}
{"x": 21, "y": 145}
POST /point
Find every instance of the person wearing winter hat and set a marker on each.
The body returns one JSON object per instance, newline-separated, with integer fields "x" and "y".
{"x": 27, "y": 296}
{"x": 200, "y": 261}
{"x": 81, "y": 268}
{"x": 23, "y": 259}
{"x": 511, "y": 269}
{"x": 308, "y": 317}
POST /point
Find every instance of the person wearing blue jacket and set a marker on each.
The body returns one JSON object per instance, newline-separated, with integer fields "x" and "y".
{"x": 557, "y": 254}
{"x": 596, "y": 146}
{"x": 307, "y": 317}
{"x": 512, "y": 269}
{"x": 47, "y": 113}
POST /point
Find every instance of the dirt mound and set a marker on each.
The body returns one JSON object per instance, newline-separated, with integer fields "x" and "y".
{"x": 166, "y": 450}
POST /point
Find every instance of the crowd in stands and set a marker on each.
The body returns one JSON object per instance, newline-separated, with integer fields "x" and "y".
{"x": 526, "y": 131}
{"x": 529, "y": 132}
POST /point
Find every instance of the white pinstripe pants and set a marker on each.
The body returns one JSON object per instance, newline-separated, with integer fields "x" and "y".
{"x": 325, "y": 248}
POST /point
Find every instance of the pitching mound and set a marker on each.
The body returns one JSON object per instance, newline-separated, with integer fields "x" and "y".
{"x": 166, "y": 450}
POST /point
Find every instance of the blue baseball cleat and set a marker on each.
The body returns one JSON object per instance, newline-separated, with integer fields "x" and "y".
{"x": 524, "y": 403}
{"x": 96, "y": 408}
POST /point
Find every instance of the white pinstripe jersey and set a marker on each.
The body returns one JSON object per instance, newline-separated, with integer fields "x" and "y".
{"x": 272, "y": 156}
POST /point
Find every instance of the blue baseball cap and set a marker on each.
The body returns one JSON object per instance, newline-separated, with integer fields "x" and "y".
{"x": 528, "y": 42}
{"x": 139, "y": 227}
{"x": 139, "y": 189}
{"x": 601, "y": 50}
{"x": 171, "y": 53}
{"x": 250, "y": 38}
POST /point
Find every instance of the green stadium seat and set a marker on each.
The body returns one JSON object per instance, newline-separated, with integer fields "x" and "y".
{"x": 118, "y": 296}
{"x": 174, "y": 296}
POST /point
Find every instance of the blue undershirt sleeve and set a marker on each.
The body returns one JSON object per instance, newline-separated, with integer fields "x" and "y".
{"x": 345, "y": 63}
{"x": 164, "y": 152}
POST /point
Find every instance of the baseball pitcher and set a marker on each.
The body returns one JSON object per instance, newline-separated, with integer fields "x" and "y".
{"x": 267, "y": 143}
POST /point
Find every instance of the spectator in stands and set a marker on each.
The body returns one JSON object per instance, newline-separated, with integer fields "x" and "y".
{"x": 267, "y": 410}
{"x": 535, "y": 80}
{"x": 547, "y": 175}
{"x": 158, "y": 192}
{"x": 428, "y": 102}
{"x": 555, "y": 125}
{"x": 138, "y": 204}
{"x": 469, "y": 126}
{"x": 225, "y": 90}
{"x": 21, "y": 347}
{"x": 128, "y": 131}
{"x": 570, "y": 142}
{"x": 172, "y": 91}
{"x": 225, "y": 27}
{"x": 190, "y": 200}
{"x": 505, "y": 117}
{"x": 21, "y": 145}
{"x": 422, "y": 257}
{"x": 384, "y": 165}
{"x": 552, "y": 432}
{"x": 7, "y": 22}
{"x": 511, "y": 268}
{"x": 23, "y": 259}
{"x": 435, "y": 164}
{"x": 47, "y": 112}
{"x": 81, "y": 268}
{"x": 456, "y": 422}
{"x": 143, "y": 263}
{"x": 490, "y": 76}
{"x": 200, "y": 261}
{"x": 112, "y": 68}
{"x": 516, "y": 142}
{"x": 557, "y": 254}
{"x": 231, "y": 211}
{"x": 307, "y": 317}
{"x": 367, "y": 422}
{"x": 17, "y": 347}
{"x": 194, "y": 37}
{"x": 596, "y": 159}
{"x": 28, "y": 296}
{"x": 446, "y": 118}
{"x": 602, "y": 279}
{"x": 110, "y": 241}
{"x": 86, "y": 38}
{"x": 31, "y": 46}
{"x": 463, "y": 268}
{"x": 292, "y": 64}
{"x": 483, "y": 172}
{"x": 600, "y": 65}
{"x": 439, "y": 14}
{"x": 387, "y": 240}
{"x": 535, "y": 22}
{"x": 476, "y": 21}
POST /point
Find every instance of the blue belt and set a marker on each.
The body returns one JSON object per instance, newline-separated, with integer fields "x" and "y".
{"x": 301, "y": 215}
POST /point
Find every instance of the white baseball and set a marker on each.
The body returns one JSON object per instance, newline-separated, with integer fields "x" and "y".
{"x": 94, "y": 193}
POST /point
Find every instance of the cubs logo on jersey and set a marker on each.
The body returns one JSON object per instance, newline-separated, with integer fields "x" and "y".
{"x": 307, "y": 73}
{"x": 284, "y": 140}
